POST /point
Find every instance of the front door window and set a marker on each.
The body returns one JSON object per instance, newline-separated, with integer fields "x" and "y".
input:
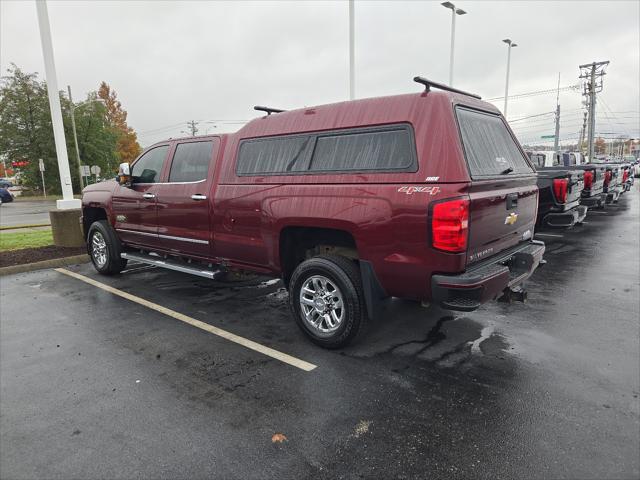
{"x": 149, "y": 167}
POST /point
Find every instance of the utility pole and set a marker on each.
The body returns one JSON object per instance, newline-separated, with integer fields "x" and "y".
{"x": 592, "y": 73}
{"x": 75, "y": 137}
{"x": 557, "y": 135}
{"x": 352, "y": 54}
{"x": 584, "y": 128}
{"x": 192, "y": 127}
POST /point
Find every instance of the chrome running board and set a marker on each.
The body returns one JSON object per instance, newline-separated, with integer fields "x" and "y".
{"x": 173, "y": 264}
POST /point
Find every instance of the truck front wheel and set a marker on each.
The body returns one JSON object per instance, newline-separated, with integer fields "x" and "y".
{"x": 104, "y": 248}
{"x": 327, "y": 300}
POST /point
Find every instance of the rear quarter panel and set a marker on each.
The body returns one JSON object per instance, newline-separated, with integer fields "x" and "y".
{"x": 388, "y": 222}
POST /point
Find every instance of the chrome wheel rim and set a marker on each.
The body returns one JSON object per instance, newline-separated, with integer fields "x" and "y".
{"x": 99, "y": 249}
{"x": 322, "y": 305}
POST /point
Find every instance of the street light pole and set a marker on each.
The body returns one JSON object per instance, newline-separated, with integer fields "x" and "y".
{"x": 75, "y": 136}
{"x": 506, "y": 87}
{"x": 67, "y": 201}
{"x": 352, "y": 62}
{"x": 454, "y": 11}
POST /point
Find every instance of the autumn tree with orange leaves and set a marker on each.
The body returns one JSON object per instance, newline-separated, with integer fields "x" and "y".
{"x": 128, "y": 147}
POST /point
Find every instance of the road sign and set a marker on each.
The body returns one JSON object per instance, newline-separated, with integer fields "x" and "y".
{"x": 95, "y": 169}
{"x": 548, "y": 136}
{"x": 86, "y": 171}
{"x": 41, "y": 166}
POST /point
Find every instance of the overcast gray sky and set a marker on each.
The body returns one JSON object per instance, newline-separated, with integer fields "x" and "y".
{"x": 171, "y": 62}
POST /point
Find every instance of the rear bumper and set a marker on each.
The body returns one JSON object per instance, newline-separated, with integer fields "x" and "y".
{"x": 595, "y": 201}
{"x": 566, "y": 219}
{"x": 478, "y": 285}
{"x": 613, "y": 194}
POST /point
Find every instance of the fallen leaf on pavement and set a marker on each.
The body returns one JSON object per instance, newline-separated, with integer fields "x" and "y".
{"x": 278, "y": 438}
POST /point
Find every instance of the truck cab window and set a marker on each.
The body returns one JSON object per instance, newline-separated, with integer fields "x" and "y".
{"x": 148, "y": 167}
{"x": 191, "y": 162}
{"x": 538, "y": 160}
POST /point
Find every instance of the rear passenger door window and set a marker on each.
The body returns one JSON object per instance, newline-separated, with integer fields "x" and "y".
{"x": 191, "y": 162}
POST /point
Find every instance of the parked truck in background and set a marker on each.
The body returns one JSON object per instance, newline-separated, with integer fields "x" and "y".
{"x": 560, "y": 191}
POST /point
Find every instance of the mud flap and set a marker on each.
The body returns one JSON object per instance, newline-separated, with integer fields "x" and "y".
{"x": 373, "y": 291}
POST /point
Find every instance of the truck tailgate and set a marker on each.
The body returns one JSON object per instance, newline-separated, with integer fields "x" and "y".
{"x": 501, "y": 214}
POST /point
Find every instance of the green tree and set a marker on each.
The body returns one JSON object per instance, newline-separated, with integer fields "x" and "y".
{"x": 97, "y": 141}
{"x": 26, "y": 132}
{"x": 25, "y": 126}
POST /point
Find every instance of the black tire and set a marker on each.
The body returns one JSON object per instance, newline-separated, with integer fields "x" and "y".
{"x": 102, "y": 230}
{"x": 345, "y": 275}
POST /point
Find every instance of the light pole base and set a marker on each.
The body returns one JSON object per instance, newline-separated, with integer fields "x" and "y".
{"x": 66, "y": 227}
{"x": 68, "y": 204}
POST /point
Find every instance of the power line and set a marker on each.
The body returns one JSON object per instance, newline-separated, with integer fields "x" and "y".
{"x": 530, "y": 116}
{"x": 539, "y": 92}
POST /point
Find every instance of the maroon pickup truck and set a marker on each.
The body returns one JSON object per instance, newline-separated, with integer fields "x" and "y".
{"x": 426, "y": 196}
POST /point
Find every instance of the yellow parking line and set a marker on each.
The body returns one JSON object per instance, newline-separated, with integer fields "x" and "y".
{"x": 245, "y": 342}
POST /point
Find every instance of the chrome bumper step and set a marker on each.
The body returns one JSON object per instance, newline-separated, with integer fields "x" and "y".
{"x": 173, "y": 264}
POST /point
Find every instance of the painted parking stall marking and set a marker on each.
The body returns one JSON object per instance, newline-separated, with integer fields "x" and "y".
{"x": 245, "y": 342}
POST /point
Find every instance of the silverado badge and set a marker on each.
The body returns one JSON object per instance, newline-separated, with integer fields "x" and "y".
{"x": 121, "y": 218}
{"x": 511, "y": 219}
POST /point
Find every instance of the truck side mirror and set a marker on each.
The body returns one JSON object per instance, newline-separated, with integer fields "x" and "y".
{"x": 124, "y": 174}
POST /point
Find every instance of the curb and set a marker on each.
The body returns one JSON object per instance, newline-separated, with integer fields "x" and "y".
{"x": 53, "y": 263}
{"x": 17, "y": 227}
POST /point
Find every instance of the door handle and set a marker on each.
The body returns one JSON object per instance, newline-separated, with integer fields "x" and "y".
{"x": 198, "y": 197}
{"x": 148, "y": 195}
{"x": 512, "y": 201}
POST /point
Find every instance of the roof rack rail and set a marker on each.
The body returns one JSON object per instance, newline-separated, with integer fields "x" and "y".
{"x": 269, "y": 110}
{"x": 428, "y": 84}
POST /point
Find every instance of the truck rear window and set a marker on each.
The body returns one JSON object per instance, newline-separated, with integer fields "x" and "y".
{"x": 489, "y": 147}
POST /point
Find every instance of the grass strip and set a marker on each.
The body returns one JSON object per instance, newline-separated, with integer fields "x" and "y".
{"x": 19, "y": 240}
{"x": 17, "y": 227}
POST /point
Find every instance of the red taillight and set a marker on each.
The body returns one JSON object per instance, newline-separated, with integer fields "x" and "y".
{"x": 450, "y": 225}
{"x": 588, "y": 179}
{"x": 607, "y": 177}
{"x": 560, "y": 186}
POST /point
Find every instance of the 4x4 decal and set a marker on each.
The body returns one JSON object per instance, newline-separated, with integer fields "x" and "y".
{"x": 411, "y": 190}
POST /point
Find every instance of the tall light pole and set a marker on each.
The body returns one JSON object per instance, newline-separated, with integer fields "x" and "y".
{"x": 506, "y": 87}
{"x": 454, "y": 11}
{"x": 67, "y": 201}
{"x": 352, "y": 61}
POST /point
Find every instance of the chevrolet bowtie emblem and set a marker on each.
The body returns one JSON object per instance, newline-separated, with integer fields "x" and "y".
{"x": 511, "y": 219}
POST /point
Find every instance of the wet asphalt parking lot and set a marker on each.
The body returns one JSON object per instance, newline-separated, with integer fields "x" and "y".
{"x": 94, "y": 385}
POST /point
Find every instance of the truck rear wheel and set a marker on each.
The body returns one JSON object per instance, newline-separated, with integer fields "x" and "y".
{"x": 104, "y": 248}
{"x": 327, "y": 300}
